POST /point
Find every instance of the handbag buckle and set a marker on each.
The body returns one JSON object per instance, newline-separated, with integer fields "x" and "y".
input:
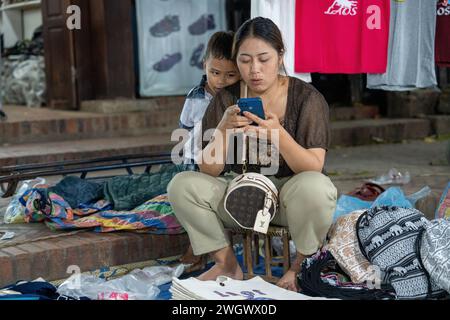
{"x": 267, "y": 205}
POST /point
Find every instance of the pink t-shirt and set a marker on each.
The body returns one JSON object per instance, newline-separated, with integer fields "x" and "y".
{"x": 443, "y": 34}
{"x": 342, "y": 36}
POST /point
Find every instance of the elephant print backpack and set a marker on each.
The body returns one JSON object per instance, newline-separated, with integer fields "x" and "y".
{"x": 389, "y": 238}
{"x": 435, "y": 251}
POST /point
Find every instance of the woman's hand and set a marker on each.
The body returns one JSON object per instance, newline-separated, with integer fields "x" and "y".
{"x": 266, "y": 128}
{"x": 232, "y": 120}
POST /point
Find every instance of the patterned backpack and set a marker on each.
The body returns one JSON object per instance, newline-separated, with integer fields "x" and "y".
{"x": 435, "y": 251}
{"x": 389, "y": 238}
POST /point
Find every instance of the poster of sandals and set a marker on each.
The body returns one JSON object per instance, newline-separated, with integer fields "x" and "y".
{"x": 172, "y": 38}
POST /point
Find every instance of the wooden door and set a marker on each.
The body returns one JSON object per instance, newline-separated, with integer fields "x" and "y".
{"x": 59, "y": 56}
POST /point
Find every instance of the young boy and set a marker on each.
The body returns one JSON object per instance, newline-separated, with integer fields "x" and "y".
{"x": 220, "y": 72}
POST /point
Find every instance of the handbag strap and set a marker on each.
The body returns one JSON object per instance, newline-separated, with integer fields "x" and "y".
{"x": 244, "y": 153}
{"x": 245, "y": 140}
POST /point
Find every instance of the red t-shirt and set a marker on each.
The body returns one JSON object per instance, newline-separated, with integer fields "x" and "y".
{"x": 443, "y": 35}
{"x": 342, "y": 36}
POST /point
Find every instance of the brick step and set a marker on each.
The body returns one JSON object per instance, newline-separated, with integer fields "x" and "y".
{"x": 360, "y": 132}
{"x": 344, "y": 133}
{"x": 50, "y": 258}
{"x": 354, "y": 113}
{"x": 83, "y": 149}
{"x": 26, "y": 125}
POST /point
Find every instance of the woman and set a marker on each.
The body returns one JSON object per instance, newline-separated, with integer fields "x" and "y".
{"x": 299, "y": 115}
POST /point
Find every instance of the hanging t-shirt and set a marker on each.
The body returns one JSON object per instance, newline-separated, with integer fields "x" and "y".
{"x": 282, "y": 13}
{"x": 342, "y": 36}
{"x": 411, "y": 58}
{"x": 443, "y": 34}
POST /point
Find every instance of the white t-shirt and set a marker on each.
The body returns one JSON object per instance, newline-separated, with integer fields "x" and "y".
{"x": 282, "y": 13}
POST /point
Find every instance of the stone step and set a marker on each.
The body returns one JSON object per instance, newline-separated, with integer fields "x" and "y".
{"x": 83, "y": 149}
{"x": 107, "y": 119}
{"x": 354, "y": 113}
{"x": 360, "y": 132}
{"x": 344, "y": 133}
{"x": 25, "y": 125}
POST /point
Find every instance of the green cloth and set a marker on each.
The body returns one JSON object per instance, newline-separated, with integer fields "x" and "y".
{"x": 127, "y": 192}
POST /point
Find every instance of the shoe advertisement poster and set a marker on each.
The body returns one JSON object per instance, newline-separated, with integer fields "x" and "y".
{"x": 172, "y": 38}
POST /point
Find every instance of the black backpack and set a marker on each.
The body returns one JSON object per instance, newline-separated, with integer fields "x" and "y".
{"x": 313, "y": 283}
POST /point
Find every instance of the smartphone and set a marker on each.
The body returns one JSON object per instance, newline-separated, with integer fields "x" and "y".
{"x": 252, "y": 105}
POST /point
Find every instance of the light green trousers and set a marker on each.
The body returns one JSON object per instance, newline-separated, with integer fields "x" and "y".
{"x": 307, "y": 204}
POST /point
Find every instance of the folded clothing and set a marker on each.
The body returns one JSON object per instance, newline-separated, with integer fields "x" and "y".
{"x": 76, "y": 191}
{"x": 128, "y": 192}
{"x": 35, "y": 290}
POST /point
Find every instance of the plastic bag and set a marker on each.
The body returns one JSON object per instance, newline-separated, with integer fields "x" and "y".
{"x": 277, "y": 245}
{"x": 393, "y": 177}
{"x": 8, "y": 235}
{"x": 425, "y": 192}
{"x": 159, "y": 275}
{"x": 15, "y": 213}
{"x": 94, "y": 288}
{"x": 23, "y": 77}
{"x": 393, "y": 196}
{"x": 347, "y": 204}
{"x": 137, "y": 285}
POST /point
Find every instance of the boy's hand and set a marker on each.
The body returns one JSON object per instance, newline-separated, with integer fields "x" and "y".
{"x": 232, "y": 120}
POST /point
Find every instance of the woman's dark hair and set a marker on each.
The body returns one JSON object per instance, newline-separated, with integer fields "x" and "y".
{"x": 220, "y": 46}
{"x": 262, "y": 28}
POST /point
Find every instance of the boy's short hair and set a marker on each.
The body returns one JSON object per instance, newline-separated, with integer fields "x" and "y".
{"x": 220, "y": 46}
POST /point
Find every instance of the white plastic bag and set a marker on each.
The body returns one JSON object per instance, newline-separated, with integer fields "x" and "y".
{"x": 393, "y": 177}
{"x": 160, "y": 275}
{"x": 137, "y": 285}
{"x": 94, "y": 288}
{"x": 15, "y": 213}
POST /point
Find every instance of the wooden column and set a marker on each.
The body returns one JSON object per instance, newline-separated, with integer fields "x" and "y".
{"x": 356, "y": 88}
{"x": 60, "y": 66}
{"x": 112, "y": 46}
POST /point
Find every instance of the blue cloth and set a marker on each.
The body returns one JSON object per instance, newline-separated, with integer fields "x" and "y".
{"x": 78, "y": 191}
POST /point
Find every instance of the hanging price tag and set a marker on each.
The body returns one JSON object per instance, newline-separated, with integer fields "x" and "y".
{"x": 262, "y": 222}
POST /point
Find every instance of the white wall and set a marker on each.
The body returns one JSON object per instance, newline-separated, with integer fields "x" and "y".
{"x": 20, "y": 24}
{"x": 31, "y": 20}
